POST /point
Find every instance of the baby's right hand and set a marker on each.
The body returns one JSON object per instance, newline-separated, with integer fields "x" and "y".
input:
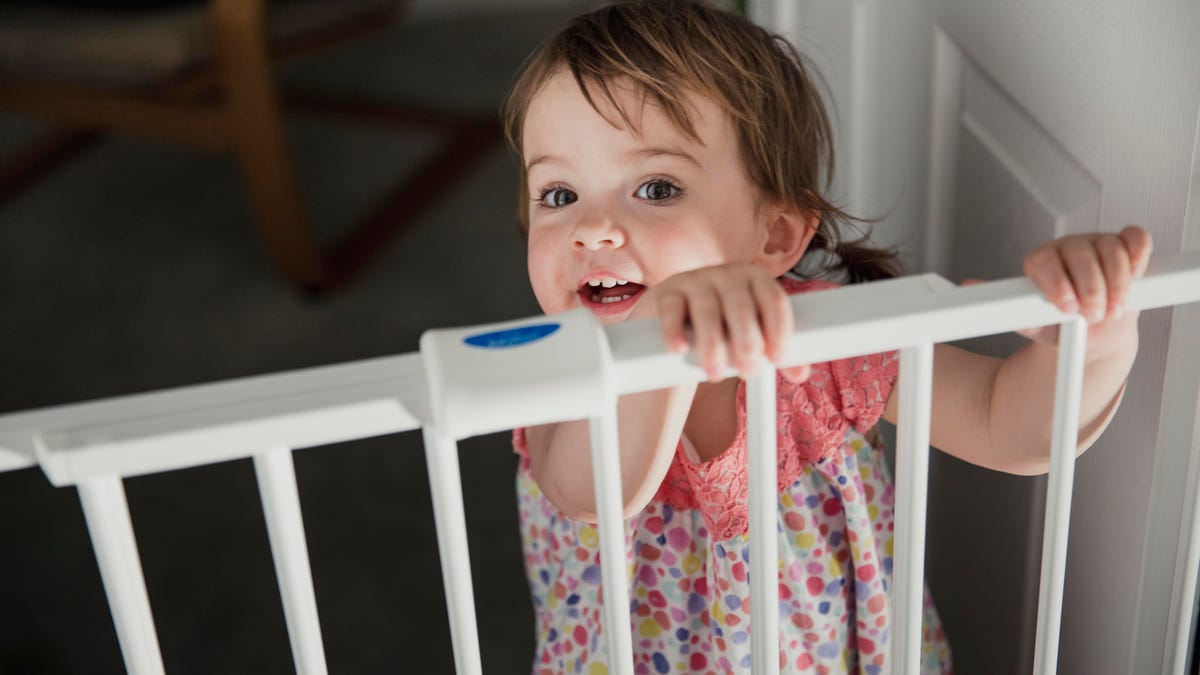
{"x": 737, "y": 313}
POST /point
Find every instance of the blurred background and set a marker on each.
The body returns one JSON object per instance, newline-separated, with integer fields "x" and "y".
{"x": 135, "y": 262}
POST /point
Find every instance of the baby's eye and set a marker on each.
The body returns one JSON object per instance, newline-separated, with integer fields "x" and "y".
{"x": 556, "y": 197}
{"x": 658, "y": 190}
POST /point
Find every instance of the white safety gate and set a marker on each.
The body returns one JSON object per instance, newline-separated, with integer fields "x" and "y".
{"x": 464, "y": 382}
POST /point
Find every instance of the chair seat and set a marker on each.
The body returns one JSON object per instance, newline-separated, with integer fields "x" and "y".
{"x": 145, "y": 48}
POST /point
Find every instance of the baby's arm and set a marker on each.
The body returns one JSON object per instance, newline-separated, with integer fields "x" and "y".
{"x": 997, "y": 412}
{"x": 648, "y": 428}
{"x": 724, "y": 306}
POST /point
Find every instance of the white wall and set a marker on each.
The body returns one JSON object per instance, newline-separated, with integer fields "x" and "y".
{"x": 1176, "y": 480}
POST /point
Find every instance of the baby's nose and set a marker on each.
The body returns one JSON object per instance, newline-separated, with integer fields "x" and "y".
{"x": 596, "y": 233}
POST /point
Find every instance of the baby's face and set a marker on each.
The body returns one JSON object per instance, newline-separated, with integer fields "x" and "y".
{"x": 609, "y": 205}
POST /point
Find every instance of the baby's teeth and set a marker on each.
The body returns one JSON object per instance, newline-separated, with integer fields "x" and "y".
{"x": 615, "y": 299}
{"x": 606, "y": 283}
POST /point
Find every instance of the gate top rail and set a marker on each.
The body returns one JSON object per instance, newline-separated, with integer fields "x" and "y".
{"x": 208, "y": 423}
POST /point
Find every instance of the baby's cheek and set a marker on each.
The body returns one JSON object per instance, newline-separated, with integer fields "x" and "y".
{"x": 540, "y": 266}
{"x": 552, "y": 296}
{"x": 545, "y": 298}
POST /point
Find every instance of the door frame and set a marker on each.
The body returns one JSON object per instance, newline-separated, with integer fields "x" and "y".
{"x": 1171, "y": 548}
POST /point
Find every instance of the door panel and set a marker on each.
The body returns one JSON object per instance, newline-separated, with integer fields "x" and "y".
{"x": 1004, "y": 182}
{"x": 1051, "y": 55}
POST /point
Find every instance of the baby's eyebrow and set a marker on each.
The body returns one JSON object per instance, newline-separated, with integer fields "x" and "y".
{"x": 644, "y": 153}
{"x": 670, "y": 152}
{"x": 540, "y": 159}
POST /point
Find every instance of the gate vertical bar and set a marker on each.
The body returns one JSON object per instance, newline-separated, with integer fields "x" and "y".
{"x": 107, "y": 516}
{"x": 762, "y": 439}
{"x": 912, "y": 478}
{"x": 450, "y": 519}
{"x": 285, "y": 529}
{"x": 1183, "y": 606}
{"x": 1068, "y": 390}
{"x": 606, "y": 475}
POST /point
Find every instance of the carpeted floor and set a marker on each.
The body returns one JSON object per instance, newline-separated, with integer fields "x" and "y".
{"x": 136, "y": 267}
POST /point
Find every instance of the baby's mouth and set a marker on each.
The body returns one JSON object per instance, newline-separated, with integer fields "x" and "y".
{"x": 610, "y": 294}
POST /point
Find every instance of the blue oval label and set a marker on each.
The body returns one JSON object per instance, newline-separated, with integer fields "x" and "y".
{"x": 511, "y": 337}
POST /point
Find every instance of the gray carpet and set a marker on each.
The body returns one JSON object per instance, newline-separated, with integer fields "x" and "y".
{"x": 136, "y": 267}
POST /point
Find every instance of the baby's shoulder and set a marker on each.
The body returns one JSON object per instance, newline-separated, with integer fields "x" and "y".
{"x": 852, "y": 390}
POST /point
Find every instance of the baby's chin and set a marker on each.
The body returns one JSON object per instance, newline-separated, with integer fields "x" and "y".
{"x": 609, "y": 319}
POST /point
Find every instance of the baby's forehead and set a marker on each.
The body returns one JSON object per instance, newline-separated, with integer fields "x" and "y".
{"x": 629, "y": 106}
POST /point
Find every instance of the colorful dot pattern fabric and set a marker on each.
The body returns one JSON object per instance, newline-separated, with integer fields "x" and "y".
{"x": 688, "y": 552}
{"x": 690, "y": 595}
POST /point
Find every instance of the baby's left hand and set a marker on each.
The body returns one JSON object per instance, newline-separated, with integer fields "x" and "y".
{"x": 1089, "y": 274}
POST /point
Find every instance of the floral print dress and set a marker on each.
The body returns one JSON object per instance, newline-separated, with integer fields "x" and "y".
{"x": 688, "y": 551}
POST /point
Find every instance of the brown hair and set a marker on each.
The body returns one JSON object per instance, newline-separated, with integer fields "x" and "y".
{"x": 667, "y": 47}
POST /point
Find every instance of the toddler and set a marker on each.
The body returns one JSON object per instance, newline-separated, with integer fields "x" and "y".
{"x": 672, "y": 161}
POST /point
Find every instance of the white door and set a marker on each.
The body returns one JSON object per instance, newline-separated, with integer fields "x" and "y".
{"x": 978, "y": 129}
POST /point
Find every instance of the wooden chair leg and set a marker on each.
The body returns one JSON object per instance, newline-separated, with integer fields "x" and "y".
{"x": 262, "y": 152}
{"x": 466, "y": 146}
{"x": 466, "y": 140}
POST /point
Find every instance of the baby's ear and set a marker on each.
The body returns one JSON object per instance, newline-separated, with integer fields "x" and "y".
{"x": 789, "y": 232}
